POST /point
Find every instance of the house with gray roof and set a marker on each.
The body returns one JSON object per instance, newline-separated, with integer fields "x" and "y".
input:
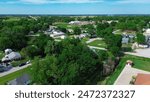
{"x": 11, "y": 56}
{"x": 22, "y": 80}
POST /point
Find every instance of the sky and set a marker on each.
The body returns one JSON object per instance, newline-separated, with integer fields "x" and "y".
{"x": 74, "y": 7}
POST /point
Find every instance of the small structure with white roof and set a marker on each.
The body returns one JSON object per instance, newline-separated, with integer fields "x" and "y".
{"x": 11, "y": 55}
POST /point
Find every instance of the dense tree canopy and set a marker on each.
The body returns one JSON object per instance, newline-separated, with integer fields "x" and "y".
{"x": 75, "y": 64}
{"x": 141, "y": 39}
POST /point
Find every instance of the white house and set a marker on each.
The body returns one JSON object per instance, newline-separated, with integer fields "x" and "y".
{"x": 147, "y": 32}
{"x": 57, "y": 34}
{"x": 11, "y": 56}
{"x": 8, "y": 51}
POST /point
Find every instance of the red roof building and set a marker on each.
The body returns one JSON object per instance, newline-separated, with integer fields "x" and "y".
{"x": 142, "y": 79}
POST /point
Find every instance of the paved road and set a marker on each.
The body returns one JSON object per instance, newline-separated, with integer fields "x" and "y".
{"x": 93, "y": 39}
{"x": 141, "y": 53}
{"x": 126, "y": 75}
{"x": 99, "y": 48}
{"x": 14, "y": 69}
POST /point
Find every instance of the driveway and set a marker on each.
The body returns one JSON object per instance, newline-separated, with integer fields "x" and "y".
{"x": 93, "y": 39}
{"x": 98, "y": 48}
{"x": 14, "y": 69}
{"x": 141, "y": 53}
{"x": 126, "y": 75}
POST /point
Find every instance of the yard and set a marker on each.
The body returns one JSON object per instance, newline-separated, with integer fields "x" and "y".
{"x": 61, "y": 24}
{"x": 84, "y": 40}
{"x": 139, "y": 63}
{"x": 119, "y": 32}
{"x": 127, "y": 47}
{"x": 98, "y": 43}
{"x": 5, "y": 79}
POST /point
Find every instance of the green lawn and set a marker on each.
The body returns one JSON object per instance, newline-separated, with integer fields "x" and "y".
{"x": 127, "y": 47}
{"x": 12, "y": 19}
{"x": 140, "y": 62}
{"x": 98, "y": 43}
{"x": 84, "y": 40}
{"x": 5, "y": 79}
{"x": 119, "y": 32}
{"x": 61, "y": 24}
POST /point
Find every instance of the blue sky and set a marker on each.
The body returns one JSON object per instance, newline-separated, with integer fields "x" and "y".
{"x": 74, "y": 6}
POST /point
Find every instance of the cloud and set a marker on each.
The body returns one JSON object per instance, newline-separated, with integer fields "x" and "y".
{"x": 58, "y": 1}
{"x": 133, "y": 1}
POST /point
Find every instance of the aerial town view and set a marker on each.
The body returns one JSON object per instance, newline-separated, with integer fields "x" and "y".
{"x": 78, "y": 49}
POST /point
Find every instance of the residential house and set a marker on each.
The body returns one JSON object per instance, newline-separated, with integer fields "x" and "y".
{"x": 142, "y": 79}
{"x": 22, "y": 80}
{"x": 54, "y": 33}
{"x": 125, "y": 40}
{"x": 57, "y": 34}
{"x": 11, "y": 56}
{"x": 147, "y": 35}
{"x": 8, "y": 51}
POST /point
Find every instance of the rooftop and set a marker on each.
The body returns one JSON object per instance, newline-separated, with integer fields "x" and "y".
{"x": 142, "y": 79}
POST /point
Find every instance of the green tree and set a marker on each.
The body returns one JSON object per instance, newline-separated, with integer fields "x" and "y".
{"x": 77, "y": 31}
{"x": 45, "y": 72}
{"x": 69, "y": 66}
{"x": 140, "y": 38}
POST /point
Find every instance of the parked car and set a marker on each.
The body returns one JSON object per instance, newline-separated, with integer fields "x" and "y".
{"x": 22, "y": 64}
{"x": 28, "y": 62}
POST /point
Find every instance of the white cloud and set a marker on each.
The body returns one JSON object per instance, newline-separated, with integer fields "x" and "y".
{"x": 133, "y": 1}
{"x": 59, "y": 1}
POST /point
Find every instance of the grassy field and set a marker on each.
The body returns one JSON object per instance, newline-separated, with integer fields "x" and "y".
{"x": 98, "y": 43}
{"x": 5, "y": 79}
{"x": 139, "y": 63}
{"x": 12, "y": 19}
{"x": 61, "y": 24}
{"x": 84, "y": 40}
{"x": 64, "y": 25}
